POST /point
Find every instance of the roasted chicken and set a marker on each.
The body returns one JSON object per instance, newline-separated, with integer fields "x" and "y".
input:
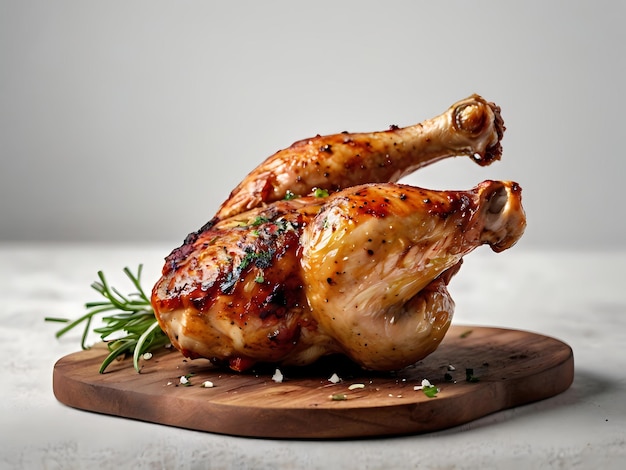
{"x": 472, "y": 127}
{"x": 362, "y": 271}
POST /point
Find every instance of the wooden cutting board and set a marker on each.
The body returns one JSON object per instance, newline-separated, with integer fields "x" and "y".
{"x": 510, "y": 368}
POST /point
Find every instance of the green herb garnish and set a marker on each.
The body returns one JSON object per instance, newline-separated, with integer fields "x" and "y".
{"x": 319, "y": 192}
{"x": 469, "y": 376}
{"x": 289, "y": 195}
{"x": 133, "y": 320}
{"x": 430, "y": 391}
{"x": 259, "y": 220}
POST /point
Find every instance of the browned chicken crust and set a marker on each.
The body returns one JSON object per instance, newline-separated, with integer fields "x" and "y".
{"x": 472, "y": 127}
{"x": 361, "y": 272}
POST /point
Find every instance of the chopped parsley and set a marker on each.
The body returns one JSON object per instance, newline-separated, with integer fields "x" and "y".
{"x": 319, "y": 192}
{"x": 259, "y": 220}
{"x": 289, "y": 195}
{"x": 430, "y": 391}
{"x": 469, "y": 376}
{"x": 246, "y": 260}
{"x": 261, "y": 259}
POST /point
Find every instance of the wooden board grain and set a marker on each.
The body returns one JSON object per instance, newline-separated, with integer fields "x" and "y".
{"x": 512, "y": 367}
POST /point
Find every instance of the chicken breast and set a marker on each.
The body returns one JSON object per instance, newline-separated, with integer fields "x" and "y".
{"x": 362, "y": 272}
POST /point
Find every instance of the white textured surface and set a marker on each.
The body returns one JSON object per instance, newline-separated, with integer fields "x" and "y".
{"x": 576, "y": 297}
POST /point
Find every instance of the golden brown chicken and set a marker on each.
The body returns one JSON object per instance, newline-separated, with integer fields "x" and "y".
{"x": 361, "y": 272}
{"x": 472, "y": 127}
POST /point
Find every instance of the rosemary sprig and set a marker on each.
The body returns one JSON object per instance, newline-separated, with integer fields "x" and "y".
{"x": 132, "y": 329}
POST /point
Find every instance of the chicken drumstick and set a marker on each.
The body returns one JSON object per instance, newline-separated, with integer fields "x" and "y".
{"x": 471, "y": 127}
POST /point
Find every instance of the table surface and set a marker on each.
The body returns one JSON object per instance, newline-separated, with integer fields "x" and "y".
{"x": 577, "y": 297}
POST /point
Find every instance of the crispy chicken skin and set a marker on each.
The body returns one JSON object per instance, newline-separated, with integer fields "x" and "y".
{"x": 377, "y": 259}
{"x": 471, "y": 127}
{"x": 361, "y": 272}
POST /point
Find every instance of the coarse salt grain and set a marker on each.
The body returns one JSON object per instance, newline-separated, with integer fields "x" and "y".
{"x": 207, "y": 384}
{"x": 184, "y": 380}
{"x": 278, "y": 376}
{"x": 334, "y": 379}
{"x": 147, "y": 356}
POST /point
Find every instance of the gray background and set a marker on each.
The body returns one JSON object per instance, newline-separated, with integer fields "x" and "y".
{"x": 133, "y": 120}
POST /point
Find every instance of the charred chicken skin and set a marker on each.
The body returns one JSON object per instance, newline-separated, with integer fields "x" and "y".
{"x": 361, "y": 272}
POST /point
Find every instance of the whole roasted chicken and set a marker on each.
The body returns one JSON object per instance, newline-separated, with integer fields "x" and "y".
{"x": 319, "y": 250}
